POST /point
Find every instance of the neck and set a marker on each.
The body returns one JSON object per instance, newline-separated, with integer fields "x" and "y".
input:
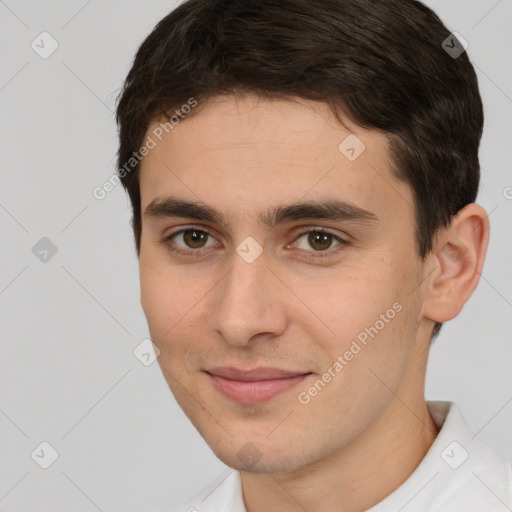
{"x": 357, "y": 476}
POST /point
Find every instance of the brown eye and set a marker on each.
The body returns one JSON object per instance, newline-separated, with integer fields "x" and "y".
{"x": 320, "y": 241}
{"x": 316, "y": 244}
{"x": 189, "y": 241}
{"x": 194, "y": 238}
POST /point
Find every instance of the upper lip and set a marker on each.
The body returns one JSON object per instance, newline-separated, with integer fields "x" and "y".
{"x": 254, "y": 374}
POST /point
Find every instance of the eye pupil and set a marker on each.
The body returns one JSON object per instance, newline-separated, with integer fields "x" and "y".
{"x": 319, "y": 238}
{"x": 193, "y": 237}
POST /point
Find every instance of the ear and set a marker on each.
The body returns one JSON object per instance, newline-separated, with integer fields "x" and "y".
{"x": 458, "y": 258}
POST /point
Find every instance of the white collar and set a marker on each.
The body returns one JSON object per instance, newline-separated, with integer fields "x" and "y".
{"x": 458, "y": 474}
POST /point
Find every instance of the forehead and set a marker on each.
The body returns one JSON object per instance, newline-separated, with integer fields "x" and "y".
{"x": 244, "y": 154}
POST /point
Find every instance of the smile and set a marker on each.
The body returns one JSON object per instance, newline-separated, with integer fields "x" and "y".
{"x": 254, "y": 386}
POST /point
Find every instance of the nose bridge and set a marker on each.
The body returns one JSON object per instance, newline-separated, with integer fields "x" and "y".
{"x": 245, "y": 305}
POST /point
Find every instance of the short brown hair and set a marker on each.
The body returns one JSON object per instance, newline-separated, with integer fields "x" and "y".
{"x": 382, "y": 63}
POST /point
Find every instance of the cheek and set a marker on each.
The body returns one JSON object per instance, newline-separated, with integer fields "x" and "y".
{"x": 156, "y": 303}
{"x": 164, "y": 299}
{"x": 174, "y": 308}
{"x": 364, "y": 315}
{"x": 348, "y": 302}
{"x": 368, "y": 356}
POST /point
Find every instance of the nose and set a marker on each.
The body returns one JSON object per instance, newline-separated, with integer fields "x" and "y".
{"x": 247, "y": 302}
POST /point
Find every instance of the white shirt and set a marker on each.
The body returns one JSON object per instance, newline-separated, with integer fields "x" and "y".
{"x": 458, "y": 474}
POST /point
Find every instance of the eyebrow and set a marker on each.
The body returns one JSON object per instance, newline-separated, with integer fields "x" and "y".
{"x": 327, "y": 209}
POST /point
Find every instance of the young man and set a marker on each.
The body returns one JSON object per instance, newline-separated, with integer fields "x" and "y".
{"x": 303, "y": 175}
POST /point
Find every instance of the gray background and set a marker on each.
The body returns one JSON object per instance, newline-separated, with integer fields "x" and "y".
{"x": 68, "y": 375}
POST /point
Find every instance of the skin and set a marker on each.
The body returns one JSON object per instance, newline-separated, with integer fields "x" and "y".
{"x": 242, "y": 156}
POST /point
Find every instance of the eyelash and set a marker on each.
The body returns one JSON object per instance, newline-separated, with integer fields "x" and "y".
{"x": 197, "y": 252}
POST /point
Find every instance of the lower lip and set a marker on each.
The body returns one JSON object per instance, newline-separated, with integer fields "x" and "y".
{"x": 254, "y": 392}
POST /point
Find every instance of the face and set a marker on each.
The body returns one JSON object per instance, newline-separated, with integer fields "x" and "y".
{"x": 279, "y": 278}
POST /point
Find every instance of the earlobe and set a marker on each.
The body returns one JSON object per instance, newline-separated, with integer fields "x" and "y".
{"x": 459, "y": 254}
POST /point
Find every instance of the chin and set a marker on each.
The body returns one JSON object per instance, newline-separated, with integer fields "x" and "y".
{"x": 251, "y": 459}
{"x": 261, "y": 466}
